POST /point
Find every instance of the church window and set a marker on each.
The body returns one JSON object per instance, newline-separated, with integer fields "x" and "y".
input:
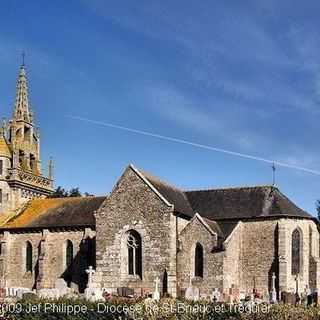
{"x": 295, "y": 252}
{"x": 134, "y": 246}
{"x": 28, "y": 257}
{"x": 69, "y": 254}
{"x": 1, "y": 167}
{"x": 198, "y": 261}
{"x": 1, "y": 196}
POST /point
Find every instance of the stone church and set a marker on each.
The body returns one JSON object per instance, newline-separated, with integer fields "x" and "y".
{"x": 225, "y": 239}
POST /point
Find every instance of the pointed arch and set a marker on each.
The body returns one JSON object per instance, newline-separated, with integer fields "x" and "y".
{"x": 198, "y": 261}
{"x": 134, "y": 247}
{"x": 296, "y": 251}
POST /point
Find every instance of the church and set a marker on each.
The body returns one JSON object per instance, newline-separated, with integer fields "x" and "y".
{"x": 234, "y": 240}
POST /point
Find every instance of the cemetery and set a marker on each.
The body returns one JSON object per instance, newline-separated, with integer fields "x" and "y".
{"x": 64, "y": 302}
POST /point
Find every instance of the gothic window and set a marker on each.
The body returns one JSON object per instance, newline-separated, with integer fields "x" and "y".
{"x": 295, "y": 252}
{"x": 28, "y": 257}
{"x": 198, "y": 261}
{"x": 134, "y": 246}
{"x": 69, "y": 254}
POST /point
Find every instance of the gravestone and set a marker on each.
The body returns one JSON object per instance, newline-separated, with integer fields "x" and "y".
{"x": 90, "y": 272}
{"x": 273, "y": 293}
{"x": 242, "y": 295}
{"x": 215, "y": 296}
{"x": 22, "y": 291}
{"x": 125, "y": 292}
{"x": 62, "y": 287}
{"x": 192, "y": 293}
{"x": 156, "y": 293}
{"x": 92, "y": 293}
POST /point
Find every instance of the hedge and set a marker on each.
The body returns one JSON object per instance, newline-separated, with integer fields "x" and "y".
{"x": 166, "y": 309}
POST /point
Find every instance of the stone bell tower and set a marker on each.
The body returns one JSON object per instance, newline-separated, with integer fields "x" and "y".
{"x": 20, "y": 163}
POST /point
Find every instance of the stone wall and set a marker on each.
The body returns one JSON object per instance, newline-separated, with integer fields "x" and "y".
{"x": 195, "y": 232}
{"x": 133, "y": 205}
{"x": 309, "y": 259}
{"x": 232, "y": 267}
{"x": 6, "y": 204}
{"x": 259, "y": 255}
{"x": 49, "y": 257}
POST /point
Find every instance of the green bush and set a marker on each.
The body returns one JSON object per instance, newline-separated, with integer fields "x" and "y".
{"x": 166, "y": 309}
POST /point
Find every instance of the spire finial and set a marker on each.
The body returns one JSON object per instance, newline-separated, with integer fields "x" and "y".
{"x": 51, "y": 168}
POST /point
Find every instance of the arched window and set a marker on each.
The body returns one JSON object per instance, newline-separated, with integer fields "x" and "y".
{"x": 134, "y": 245}
{"x": 295, "y": 252}
{"x": 28, "y": 257}
{"x": 198, "y": 261}
{"x": 69, "y": 254}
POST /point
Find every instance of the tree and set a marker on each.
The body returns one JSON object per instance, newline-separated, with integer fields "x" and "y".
{"x": 60, "y": 192}
{"x": 74, "y": 192}
{"x": 318, "y": 209}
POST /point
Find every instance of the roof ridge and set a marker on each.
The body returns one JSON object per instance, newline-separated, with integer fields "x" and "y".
{"x": 233, "y": 188}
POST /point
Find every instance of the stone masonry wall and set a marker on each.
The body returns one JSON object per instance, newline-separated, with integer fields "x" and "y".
{"x": 133, "y": 205}
{"x": 309, "y": 258}
{"x": 53, "y": 253}
{"x": 232, "y": 268}
{"x": 195, "y": 232}
{"x": 259, "y": 255}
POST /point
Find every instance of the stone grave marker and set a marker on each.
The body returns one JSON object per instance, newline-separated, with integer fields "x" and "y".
{"x": 156, "y": 293}
{"x": 215, "y": 296}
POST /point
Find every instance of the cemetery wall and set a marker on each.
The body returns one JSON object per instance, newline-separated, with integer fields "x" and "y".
{"x": 133, "y": 205}
{"x": 195, "y": 232}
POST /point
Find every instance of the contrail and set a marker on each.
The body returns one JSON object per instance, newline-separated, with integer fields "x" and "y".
{"x": 194, "y": 144}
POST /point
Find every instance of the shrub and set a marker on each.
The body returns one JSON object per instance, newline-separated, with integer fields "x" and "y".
{"x": 166, "y": 309}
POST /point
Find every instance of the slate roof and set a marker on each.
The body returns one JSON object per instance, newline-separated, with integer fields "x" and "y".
{"x": 244, "y": 203}
{"x": 229, "y": 203}
{"x": 172, "y": 194}
{"x": 56, "y": 212}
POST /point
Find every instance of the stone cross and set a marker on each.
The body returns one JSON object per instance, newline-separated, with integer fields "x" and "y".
{"x": 156, "y": 294}
{"x": 273, "y": 289}
{"x": 90, "y": 273}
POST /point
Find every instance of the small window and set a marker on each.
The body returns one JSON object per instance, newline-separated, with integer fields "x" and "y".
{"x": 198, "y": 261}
{"x": 1, "y": 196}
{"x": 28, "y": 257}
{"x": 1, "y": 167}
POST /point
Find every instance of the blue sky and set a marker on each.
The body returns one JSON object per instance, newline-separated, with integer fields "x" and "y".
{"x": 243, "y": 76}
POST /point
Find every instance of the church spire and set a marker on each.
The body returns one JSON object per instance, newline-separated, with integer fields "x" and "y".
{"x": 22, "y": 109}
